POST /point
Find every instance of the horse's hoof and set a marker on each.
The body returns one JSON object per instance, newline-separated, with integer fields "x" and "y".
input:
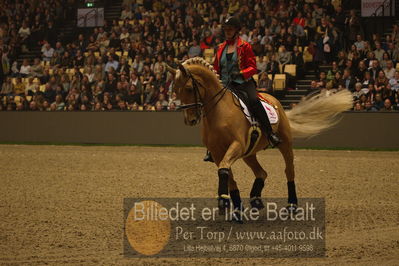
{"x": 223, "y": 205}
{"x": 292, "y": 208}
{"x": 257, "y": 203}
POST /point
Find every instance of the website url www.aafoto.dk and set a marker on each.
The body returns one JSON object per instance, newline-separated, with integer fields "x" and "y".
{"x": 281, "y": 235}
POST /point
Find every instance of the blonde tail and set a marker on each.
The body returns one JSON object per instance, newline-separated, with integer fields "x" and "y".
{"x": 318, "y": 112}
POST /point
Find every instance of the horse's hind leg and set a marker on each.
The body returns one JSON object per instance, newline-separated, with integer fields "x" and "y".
{"x": 286, "y": 150}
{"x": 259, "y": 183}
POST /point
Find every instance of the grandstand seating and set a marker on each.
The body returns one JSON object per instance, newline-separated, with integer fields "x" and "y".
{"x": 289, "y": 77}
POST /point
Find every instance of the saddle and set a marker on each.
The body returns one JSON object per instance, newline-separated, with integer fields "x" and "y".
{"x": 270, "y": 109}
{"x": 254, "y": 132}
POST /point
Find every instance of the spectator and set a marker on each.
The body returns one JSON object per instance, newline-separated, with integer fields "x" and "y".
{"x": 367, "y": 80}
{"x": 360, "y": 71}
{"x": 369, "y": 107}
{"x": 81, "y": 43}
{"x": 114, "y": 41}
{"x": 378, "y": 52}
{"x": 374, "y": 69}
{"x": 332, "y": 71}
{"x": 349, "y": 81}
{"x": 342, "y": 57}
{"x": 37, "y": 70}
{"x": 261, "y": 64}
{"x": 25, "y": 69}
{"x": 111, "y": 63}
{"x": 126, "y": 13}
{"x": 172, "y": 107}
{"x": 59, "y": 48}
{"x": 389, "y": 70}
{"x": 393, "y": 52}
{"x": 387, "y": 106}
{"x": 55, "y": 60}
{"x": 265, "y": 84}
{"x": 110, "y": 85}
{"x": 194, "y": 50}
{"x": 284, "y": 57}
{"x": 360, "y": 44}
{"x": 138, "y": 64}
{"x": 162, "y": 101}
{"x": 394, "y": 82}
{"x": 173, "y": 100}
{"x": 358, "y": 107}
{"x": 322, "y": 82}
{"x": 354, "y": 26}
{"x": 78, "y": 61}
{"x": 272, "y": 66}
{"x": 7, "y": 87}
{"x": 297, "y": 59}
{"x": 313, "y": 85}
{"x": 19, "y": 87}
{"x": 31, "y": 87}
{"x": 47, "y": 52}
{"x": 124, "y": 35}
{"x": 49, "y": 93}
{"x": 299, "y": 20}
{"x": 24, "y": 33}
{"x": 337, "y": 80}
{"x": 357, "y": 93}
{"x": 381, "y": 85}
{"x": 378, "y": 102}
{"x": 384, "y": 61}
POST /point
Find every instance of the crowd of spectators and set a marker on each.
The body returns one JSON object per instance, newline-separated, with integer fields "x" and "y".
{"x": 122, "y": 65}
{"x": 367, "y": 69}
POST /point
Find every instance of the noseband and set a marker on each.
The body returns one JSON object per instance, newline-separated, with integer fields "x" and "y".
{"x": 198, "y": 103}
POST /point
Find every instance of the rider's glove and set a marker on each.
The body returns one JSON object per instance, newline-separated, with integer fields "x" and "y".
{"x": 235, "y": 75}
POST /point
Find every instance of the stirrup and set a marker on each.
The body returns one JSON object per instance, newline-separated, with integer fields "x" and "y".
{"x": 274, "y": 140}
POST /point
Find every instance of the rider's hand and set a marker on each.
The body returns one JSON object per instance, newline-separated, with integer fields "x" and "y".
{"x": 235, "y": 75}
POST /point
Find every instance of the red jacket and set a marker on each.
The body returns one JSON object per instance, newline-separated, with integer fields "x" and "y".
{"x": 245, "y": 55}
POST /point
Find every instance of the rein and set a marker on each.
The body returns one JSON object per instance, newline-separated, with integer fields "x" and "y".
{"x": 198, "y": 104}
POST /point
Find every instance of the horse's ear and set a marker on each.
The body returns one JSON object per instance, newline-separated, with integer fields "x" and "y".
{"x": 183, "y": 70}
{"x": 171, "y": 69}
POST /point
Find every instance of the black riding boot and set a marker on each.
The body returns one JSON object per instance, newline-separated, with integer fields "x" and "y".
{"x": 264, "y": 122}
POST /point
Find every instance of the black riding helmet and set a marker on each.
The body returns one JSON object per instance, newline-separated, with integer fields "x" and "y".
{"x": 232, "y": 21}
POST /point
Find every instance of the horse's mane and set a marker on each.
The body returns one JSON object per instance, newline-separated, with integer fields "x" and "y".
{"x": 200, "y": 61}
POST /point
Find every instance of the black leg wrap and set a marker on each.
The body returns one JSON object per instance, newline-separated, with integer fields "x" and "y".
{"x": 256, "y": 191}
{"x": 257, "y": 187}
{"x": 236, "y": 199}
{"x": 292, "y": 193}
{"x": 223, "y": 205}
{"x": 223, "y": 181}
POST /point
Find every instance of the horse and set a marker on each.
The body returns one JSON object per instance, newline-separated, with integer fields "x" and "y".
{"x": 225, "y": 128}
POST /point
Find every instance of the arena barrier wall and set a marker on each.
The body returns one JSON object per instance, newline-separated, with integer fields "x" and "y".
{"x": 355, "y": 130}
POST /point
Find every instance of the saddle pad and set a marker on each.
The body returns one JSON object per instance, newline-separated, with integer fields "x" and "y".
{"x": 270, "y": 111}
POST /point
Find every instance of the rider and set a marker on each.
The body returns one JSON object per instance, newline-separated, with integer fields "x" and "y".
{"x": 235, "y": 62}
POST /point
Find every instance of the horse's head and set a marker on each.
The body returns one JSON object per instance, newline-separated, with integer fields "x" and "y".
{"x": 189, "y": 90}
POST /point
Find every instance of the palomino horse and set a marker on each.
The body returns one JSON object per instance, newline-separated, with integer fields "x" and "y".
{"x": 225, "y": 128}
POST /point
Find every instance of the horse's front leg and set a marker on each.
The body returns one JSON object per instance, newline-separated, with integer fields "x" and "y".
{"x": 226, "y": 180}
{"x": 236, "y": 199}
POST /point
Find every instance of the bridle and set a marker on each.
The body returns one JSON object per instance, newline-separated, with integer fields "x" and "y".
{"x": 198, "y": 103}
